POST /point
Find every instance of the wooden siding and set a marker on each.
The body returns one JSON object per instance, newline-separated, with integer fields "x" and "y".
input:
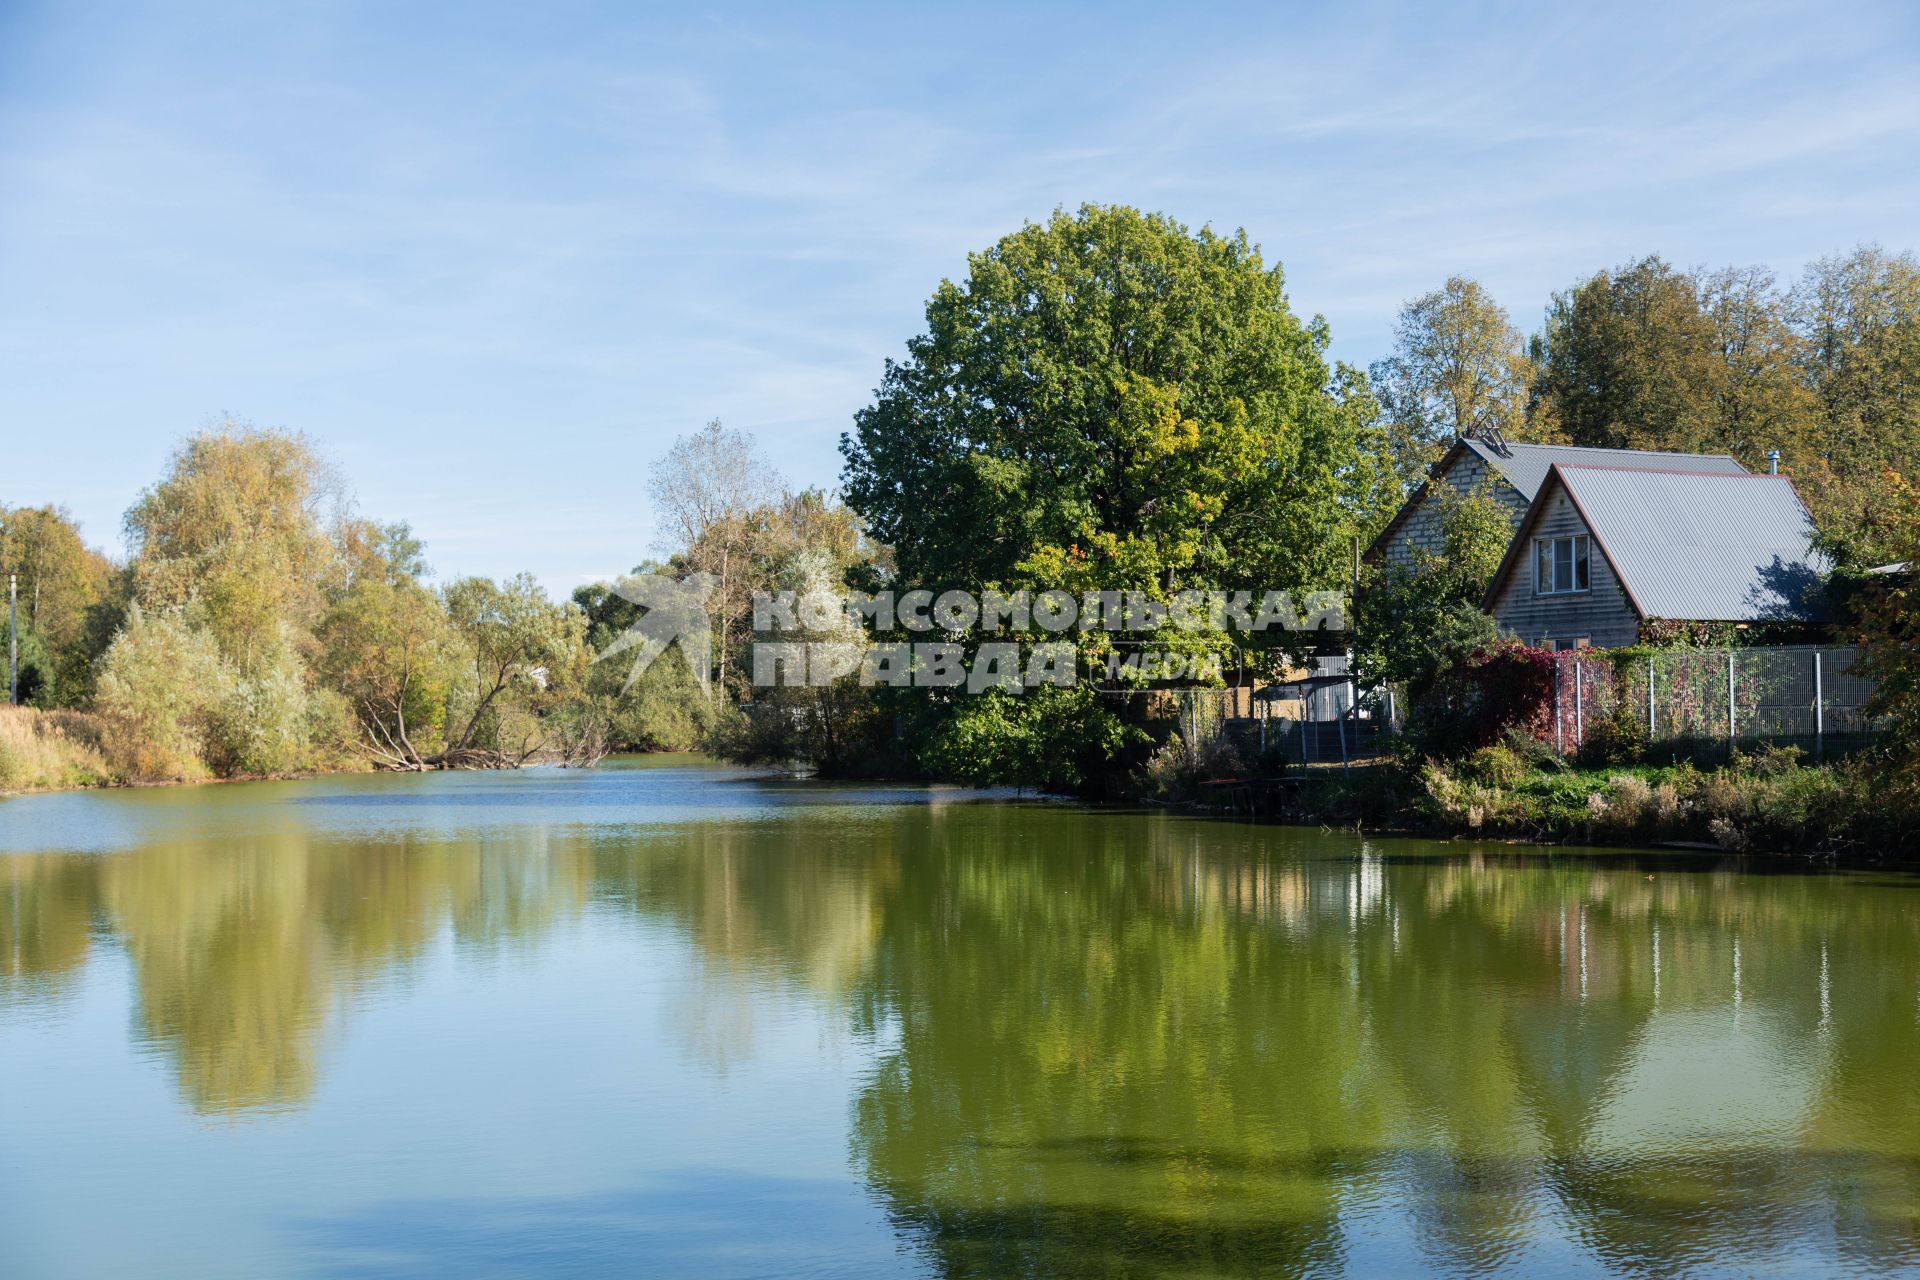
{"x": 1602, "y": 616}
{"x": 1422, "y": 529}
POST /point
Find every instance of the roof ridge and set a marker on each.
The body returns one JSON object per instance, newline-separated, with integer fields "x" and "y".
{"x": 1601, "y": 448}
{"x": 1670, "y": 471}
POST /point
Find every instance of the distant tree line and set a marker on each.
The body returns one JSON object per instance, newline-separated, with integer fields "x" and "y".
{"x": 1825, "y": 370}
{"x": 260, "y": 626}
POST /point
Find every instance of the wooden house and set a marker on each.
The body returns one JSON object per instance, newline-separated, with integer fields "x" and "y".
{"x": 1601, "y": 550}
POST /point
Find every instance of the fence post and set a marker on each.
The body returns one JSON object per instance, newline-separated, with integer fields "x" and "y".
{"x": 1579, "y": 708}
{"x": 1730, "y": 728}
{"x": 1649, "y": 699}
{"x": 1819, "y": 711}
{"x": 1559, "y": 716}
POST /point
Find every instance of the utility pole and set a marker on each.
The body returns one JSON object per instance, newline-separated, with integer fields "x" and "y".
{"x": 13, "y": 639}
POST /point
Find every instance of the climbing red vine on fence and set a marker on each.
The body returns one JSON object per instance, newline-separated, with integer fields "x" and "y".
{"x": 1504, "y": 686}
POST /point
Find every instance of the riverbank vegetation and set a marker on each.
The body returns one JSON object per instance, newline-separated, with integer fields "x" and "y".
{"x": 261, "y": 627}
{"x": 1773, "y": 801}
{"x": 54, "y": 750}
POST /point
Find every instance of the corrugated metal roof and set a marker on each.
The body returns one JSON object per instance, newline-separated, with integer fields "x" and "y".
{"x": 1712, "y": 547}
{"x": 1526, "y": 465}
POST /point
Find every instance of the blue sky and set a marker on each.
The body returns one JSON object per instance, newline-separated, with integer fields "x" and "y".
{"x": 494, "y": 257}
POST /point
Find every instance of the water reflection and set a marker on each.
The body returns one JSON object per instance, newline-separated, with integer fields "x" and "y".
{"x": 1114, "y": 1043}
{"x": 242, "y": 949}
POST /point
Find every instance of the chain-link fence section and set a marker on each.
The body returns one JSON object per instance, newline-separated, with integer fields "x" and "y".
{"x": 1806, "y": 695}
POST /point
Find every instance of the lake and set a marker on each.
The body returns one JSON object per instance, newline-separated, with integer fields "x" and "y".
{"x": 663, "y": 1018}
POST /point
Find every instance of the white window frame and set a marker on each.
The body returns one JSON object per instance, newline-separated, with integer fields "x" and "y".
{"x": 1546, "y": 552}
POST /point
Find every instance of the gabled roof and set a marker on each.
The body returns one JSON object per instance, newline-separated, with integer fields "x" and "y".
{"x": 1693, "y": 545}
{"x": 1525, "y": 467}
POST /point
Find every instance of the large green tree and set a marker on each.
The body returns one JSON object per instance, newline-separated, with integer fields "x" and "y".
{"x": 1646, "y": 356}
{"x": 1760, "y": 402}
{"x": 1110, "y": 388}
{"x": 1109, "y": 401}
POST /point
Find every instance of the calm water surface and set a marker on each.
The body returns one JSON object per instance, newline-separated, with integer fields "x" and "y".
{"x": 664, "y": 1019}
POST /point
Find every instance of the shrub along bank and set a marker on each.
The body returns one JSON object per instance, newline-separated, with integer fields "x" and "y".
{"x": 1769, "y": 802}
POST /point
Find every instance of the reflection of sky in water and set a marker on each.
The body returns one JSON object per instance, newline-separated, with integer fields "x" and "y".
{"x": 637, "y": 791}
{"x": 660, "y": 1018}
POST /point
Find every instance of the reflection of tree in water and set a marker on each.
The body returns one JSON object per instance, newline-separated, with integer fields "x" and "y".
{"x": 1870, "y": 1101}
{"x": 47, "y": 906}
{"x": 1119, "y": 1053}
{"x": 229, "y": 960}
{"x": 242, "y": 949}
{"x": 770, "y": 907}
{"x": 1099, "y": 1068}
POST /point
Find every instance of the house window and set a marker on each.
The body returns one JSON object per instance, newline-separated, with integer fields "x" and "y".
{"x": 1560, "y": 565}
{"x": 1565, "y": 646}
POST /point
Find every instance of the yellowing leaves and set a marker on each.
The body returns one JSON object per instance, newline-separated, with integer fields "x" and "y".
{"x": 1149, "y": 424}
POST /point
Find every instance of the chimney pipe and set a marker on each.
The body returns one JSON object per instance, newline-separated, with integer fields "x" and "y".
{"x": 1773, "y": 462}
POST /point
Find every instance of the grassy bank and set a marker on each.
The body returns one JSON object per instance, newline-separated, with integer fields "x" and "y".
{"x": 1770, "y": 802}
{"x": 54, "y": 750}
{"x": 70, "y": 750}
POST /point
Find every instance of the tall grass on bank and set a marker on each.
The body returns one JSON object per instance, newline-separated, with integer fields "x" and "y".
{"x": 41, "y": 750}
{"x": 1769, "y": 801}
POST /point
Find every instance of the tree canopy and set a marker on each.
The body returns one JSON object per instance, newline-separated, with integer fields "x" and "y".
{"x": 1827, "y": 372}
{"x": 65, "y": 592}
{"x": 1110, "y": 389}
{"x": 1458, "y": 366}
{"x": 236, "y": 529}
{"x": 1109, "y": 401}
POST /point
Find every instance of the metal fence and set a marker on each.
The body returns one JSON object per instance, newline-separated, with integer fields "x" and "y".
{"x": 1687, "y": 700}
{"x": 1806, "y": 695}
{"x": 1326, "y": 726}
